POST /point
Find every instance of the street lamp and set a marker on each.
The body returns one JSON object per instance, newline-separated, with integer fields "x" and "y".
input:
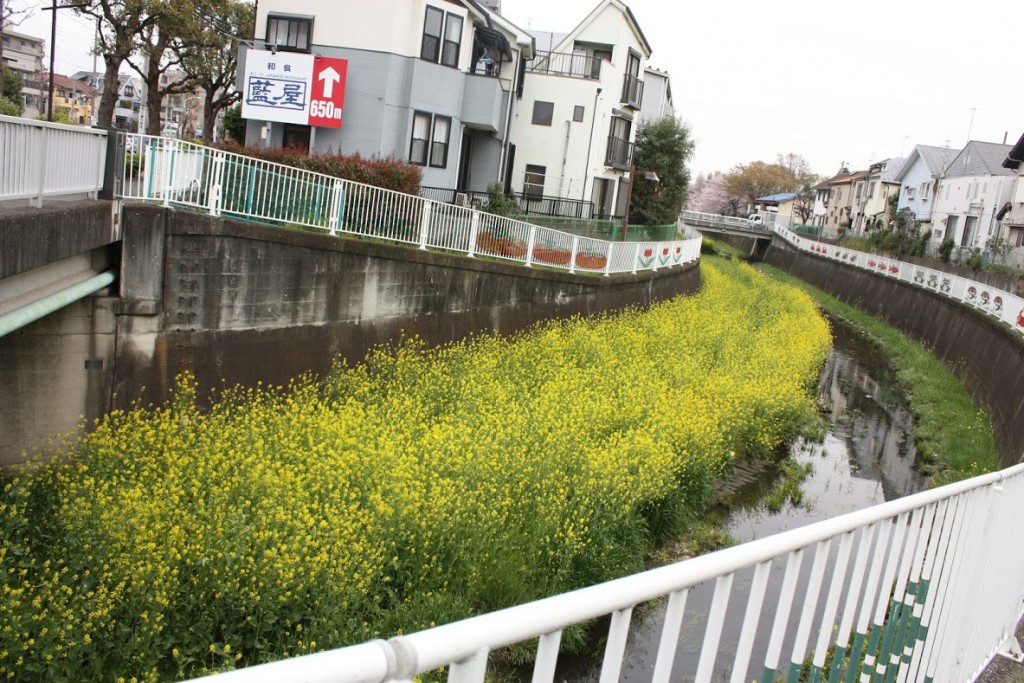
{"x": 648, "y": 175}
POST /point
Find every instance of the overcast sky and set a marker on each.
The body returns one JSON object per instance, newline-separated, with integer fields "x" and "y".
{"x": 836, "y": 82}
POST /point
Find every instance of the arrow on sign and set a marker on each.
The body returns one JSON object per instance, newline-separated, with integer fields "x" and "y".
{"x": 329, "y": 76}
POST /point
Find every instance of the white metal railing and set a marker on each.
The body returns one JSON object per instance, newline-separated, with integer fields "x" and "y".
{"x": 40, "y": 159}
{"x": 924, "y": 588}
{"x": 1004, "y": 306}
{"x": 184, "y": 174}
{"x": 716, "y": 219}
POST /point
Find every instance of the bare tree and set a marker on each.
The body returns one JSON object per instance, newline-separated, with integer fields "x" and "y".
{"x": 121, "y": 22}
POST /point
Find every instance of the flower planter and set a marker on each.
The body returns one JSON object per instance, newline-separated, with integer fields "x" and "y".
{"x": 492, "y": 244}
{"x": 591, "y": 262}
{"x": 558, "y": 257}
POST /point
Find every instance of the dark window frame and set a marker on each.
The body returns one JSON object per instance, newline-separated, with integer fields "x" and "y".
{"x": 579, "y": 112}
{"x": 543, "y": 113}
{"x": 435, "y": 54}
{"x": 273, "y": 19}
{"x": 426, "y": 141}
{"x": 530, "y": 189}
{"x": 445, "y": 146}
{"x": 439, "y": 44}
{"x": 430, "y": 146}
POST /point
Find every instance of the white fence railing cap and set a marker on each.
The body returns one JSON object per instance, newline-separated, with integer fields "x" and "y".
{"x": 33, "y": 123}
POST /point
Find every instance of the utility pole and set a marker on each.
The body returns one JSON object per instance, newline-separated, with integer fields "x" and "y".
{"x": 53, "y": 49}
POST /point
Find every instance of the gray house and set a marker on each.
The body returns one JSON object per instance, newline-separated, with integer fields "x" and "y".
{"x": 431, "y": 82}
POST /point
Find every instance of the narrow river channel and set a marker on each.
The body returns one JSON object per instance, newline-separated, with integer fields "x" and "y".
{"x": 867, "y": 457}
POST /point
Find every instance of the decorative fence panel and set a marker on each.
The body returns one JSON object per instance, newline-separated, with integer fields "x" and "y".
{"x": 184, "y": 174}
{"x": 1006, "y": 307}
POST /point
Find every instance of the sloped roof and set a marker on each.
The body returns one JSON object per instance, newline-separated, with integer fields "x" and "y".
{"x": 61, "y": 81}
{"x": 979, "y": 159}
{"x": 1016, "y": 155}
{"x": 892, "y": 167}
{"x": 935, "y": 160}
{"x": 630, "y": 19}
{"x": 776, "y": 198}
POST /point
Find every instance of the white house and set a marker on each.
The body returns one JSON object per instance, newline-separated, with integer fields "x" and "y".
{"x": 974, "y": 187}
{"x": 919, "y": 177}
{"x": 432, "y": 82}
{"x": 658, "y": 101}
{"x": 1012, "y": 213}
{"x": 576, "y": 123}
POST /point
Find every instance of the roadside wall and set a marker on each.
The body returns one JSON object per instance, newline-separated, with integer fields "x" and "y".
{"x": 987, "y": 358}
{"x": 236, "y": 303}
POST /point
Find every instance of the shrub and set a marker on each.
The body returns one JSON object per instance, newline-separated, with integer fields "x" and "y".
{"x": 387, "y": 173}
{"x": 946, "y": 249}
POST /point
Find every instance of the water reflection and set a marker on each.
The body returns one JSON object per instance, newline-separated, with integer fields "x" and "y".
{"x": 867, "y": 458}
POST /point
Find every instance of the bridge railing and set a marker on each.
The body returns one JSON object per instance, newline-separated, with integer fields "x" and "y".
{"x": 1004, "y": 306}
{"x": 177, "y": 173}
{"x": 40, "y": 159}
{"x": 923, "y": 588}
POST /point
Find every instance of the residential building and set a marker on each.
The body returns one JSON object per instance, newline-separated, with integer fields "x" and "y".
{"x": 822, "y": 194}
{"x": 129, "y": 104}
{"x": 1012, "y": 213}
{"x": 79, "y": 99}
{"x": 872, "y": 208}
{"x": 974, "y": 187}
{"x": 24, "y": 54}
{"x": 842, "y": 201}
{"x": 434, "y": 82}
{"x": 919, "y": 179}
{"x": 576, "y": 125}
{"x": 657, "y": 102}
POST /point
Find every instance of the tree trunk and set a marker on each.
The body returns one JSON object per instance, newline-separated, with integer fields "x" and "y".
{"x": 105, "y": 117}
{"x": 154, "y": 97}
{"x": 209, "y": 116}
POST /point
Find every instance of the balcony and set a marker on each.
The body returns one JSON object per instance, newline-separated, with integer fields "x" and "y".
{"x": 632, "y": 91}
{"x": 567, "y": 64}
{"x": 620, "y": 153}
{"x": 483, "y": 103}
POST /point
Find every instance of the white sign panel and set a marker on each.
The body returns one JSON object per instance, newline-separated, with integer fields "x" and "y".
{"x": 277, "y": 86}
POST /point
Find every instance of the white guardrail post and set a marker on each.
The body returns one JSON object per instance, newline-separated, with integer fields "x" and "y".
{"x": 425, "y": 223}
{"x": 216, "y": 183}
{"x": 42, "y": 160}
{"x": 474, "y": 230}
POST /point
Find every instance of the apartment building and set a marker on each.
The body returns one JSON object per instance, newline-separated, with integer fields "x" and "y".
{"x": 576, "y": 124}
{"x": 433, "y": 82}
{"x": 24, "y": 54}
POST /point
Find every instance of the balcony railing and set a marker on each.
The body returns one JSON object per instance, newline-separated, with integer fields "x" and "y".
{"x": 620, "y": 153}
{"x": 568, "y": 64}
{"x": 632, "y": 91}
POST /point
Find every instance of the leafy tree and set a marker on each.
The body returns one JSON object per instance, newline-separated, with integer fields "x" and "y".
{"x": 946, "y": 249}
{"x": 211, "y": 64}
{"x": 10, "y": 95}
{"x": 234, "y": 124}
{"x": 663, "y": 146}
{"x": 758, "y": 179}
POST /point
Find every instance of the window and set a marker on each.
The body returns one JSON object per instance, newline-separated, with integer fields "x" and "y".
{"x": 577, "y": 113}
{"x": 620, "y": 150}
{"x": 871, "y": 189}
{"x": 442, "y": 37}
{"x": 290, "y": 34}
{"x": 533, "y": 183}
{"x": 431, "y": 135}
{"x": 420, "y": 138}
{"x": 543, "y": 113}
{"x": 452, "y": 41}
{"x": 439, "y": 142}
{"x": 430, "y": 50}
{"x": 859, "y": 187}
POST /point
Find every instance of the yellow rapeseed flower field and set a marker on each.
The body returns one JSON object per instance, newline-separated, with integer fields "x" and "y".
{"x": 418, "y": 487}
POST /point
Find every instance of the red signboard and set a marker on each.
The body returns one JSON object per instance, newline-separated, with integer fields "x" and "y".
{"x": 327, "y": 92}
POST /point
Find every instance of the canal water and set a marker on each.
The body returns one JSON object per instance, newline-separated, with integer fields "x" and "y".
{"x": 866, "y": 458}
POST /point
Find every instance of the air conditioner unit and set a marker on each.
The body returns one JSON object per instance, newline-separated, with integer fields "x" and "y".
{"x": 461, "y": 199}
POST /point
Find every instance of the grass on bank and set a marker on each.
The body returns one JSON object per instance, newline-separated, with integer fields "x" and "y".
{"x": 953, "y": 436}
{"x": 416, "y": 488}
